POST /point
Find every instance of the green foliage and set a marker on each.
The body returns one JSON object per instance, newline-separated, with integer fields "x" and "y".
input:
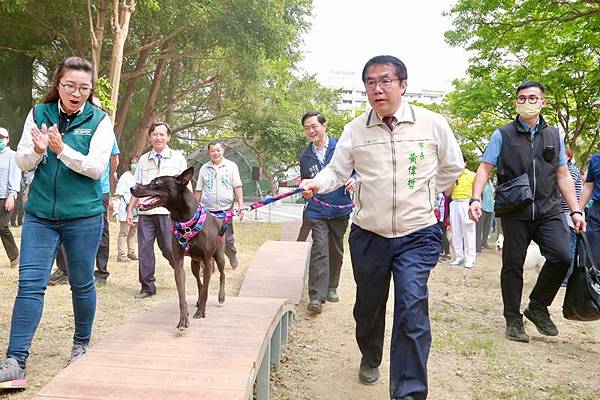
{"x": 516, "y": 40}
{"x": 269, "y": 117}
{"x": 214, "y": 51}
{"x": 102, "y": 92}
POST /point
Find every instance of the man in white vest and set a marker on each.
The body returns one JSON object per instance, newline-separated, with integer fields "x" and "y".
{"x": 154, "y": 224}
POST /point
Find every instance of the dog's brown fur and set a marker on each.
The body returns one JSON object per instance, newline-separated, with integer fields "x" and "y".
{"x": 172, "y": 193}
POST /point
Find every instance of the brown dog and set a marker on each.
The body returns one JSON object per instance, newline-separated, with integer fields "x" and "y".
{"x": 172, "y": 193}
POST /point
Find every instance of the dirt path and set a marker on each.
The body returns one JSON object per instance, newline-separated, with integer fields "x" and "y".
{"x": 470, "y": 358}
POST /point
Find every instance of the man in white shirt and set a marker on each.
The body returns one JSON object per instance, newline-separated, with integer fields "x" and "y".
{"x": 218, "y": 183}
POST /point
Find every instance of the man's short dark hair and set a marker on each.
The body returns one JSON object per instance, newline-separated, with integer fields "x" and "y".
{"x": 155, "y": 124}
{"x": 214, "y": 143}
{"x": 530, "y": 84}
{"x": 393, "y": 61}
{"x": 320, "y": 117}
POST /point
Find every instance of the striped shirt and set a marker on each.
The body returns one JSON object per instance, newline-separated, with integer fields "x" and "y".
{"x": 576, "y": 175}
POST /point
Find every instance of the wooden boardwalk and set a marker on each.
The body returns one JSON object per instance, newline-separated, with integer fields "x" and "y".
{"x": 289, "y": 230}
{"x": 278, "y": 270}
{"x": 225, "y": 356}
{"x": 216, "y": 358}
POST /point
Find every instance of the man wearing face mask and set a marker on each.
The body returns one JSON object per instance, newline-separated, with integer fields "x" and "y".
{"x": 10, "y": 181}
{"x": 528, "y": 145}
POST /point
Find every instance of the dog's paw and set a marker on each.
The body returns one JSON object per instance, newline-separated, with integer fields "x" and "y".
{"x": 199, "y": 314}
{"x": 184, "y": 322}
{"x": 221, "y": 298}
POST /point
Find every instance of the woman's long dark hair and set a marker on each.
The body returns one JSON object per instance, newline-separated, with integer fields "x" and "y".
{"x": 73, "y": 64}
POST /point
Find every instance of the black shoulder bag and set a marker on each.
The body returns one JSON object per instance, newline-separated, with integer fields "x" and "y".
{"x": 582, "y": 299}
{"x": 516, "y": 193}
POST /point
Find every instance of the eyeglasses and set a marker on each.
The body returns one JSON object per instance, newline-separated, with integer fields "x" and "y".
{"x": 70, "y": 89}
{"x": 530, "y": 99}
{"x": 385, "y": 83}
{"x": 308, "y": 128}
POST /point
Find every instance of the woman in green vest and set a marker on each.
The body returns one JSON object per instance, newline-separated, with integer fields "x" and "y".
{"x": 67, "y": 142}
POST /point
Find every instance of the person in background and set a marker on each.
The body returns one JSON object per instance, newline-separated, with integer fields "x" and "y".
{"x": 591, "y": 191}
{"x": 101, "y": 272}
{"x": 484, "y": 225}
{"x": 463, "y": 228}
{"x": 327, "y": 224}
{"x": 510, "y": 150}
{"x": 10, "y": 183}
{"x": 17, "y": 214}
{"x": 219, "y": 185}
{"x": 443, "y": 216}
{"x": 67, "y": 141}
{"x": 576, "y": 175}
{"x": 127, "y": 240}
{"x": 154, "y": 224}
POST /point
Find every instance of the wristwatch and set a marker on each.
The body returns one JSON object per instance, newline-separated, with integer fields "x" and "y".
{"x": 474, "y": 199}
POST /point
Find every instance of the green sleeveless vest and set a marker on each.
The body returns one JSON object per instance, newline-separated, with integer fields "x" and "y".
{"x": 57, "y": 192}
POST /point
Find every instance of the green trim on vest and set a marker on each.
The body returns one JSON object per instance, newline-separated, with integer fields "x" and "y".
{"x": 57, "y": 192}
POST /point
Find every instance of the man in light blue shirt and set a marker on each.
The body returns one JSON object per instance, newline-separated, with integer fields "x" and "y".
{"x": 529, "y": 148}
{"x": 10, "y": 181}
{"x": 492, "y": 152}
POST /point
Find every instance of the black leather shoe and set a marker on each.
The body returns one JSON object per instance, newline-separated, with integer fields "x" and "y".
{"x": 516, "y": 331}
{"x": 100, "y": 281}
{"x": 315, "y": 306}
{"x": 541, "y": 319}
{"x": 368, "y": 375}
{"x": 143, "y": 295}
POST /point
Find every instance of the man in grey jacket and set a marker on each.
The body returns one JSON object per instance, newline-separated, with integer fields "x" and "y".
{"x": 403, "y": 155}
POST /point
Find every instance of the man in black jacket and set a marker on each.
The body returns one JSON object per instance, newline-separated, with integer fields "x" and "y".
{"x": 510, "y": 151}
{"x": 327, "y": 224}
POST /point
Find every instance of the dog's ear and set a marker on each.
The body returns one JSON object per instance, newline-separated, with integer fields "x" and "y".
{"x": 185, "y": 176}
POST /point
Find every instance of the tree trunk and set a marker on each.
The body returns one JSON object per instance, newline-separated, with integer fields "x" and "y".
{"x": 272, "y": 186}
{"x": 123, "y": 108}
{"x": 120, "y": 27}
{"x": 97, "y": 32}
{"x": 16, "y": 100}
{"x": 149, "y": 113}
{"x": 173, "y": 81}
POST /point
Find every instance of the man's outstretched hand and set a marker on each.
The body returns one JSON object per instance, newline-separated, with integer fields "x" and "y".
{"x": 310, "y": 188}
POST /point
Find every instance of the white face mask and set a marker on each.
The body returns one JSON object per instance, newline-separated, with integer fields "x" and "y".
{"x": 527, "y": 110}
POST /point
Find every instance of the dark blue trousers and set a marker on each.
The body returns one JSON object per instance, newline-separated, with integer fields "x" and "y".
{"x": 408, "y": 260}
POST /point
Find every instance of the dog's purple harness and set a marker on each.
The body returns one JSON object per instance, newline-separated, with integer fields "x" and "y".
{"x": 185, "y": 231}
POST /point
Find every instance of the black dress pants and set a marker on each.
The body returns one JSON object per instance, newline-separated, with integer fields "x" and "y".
{"x": 552, "y": 235}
